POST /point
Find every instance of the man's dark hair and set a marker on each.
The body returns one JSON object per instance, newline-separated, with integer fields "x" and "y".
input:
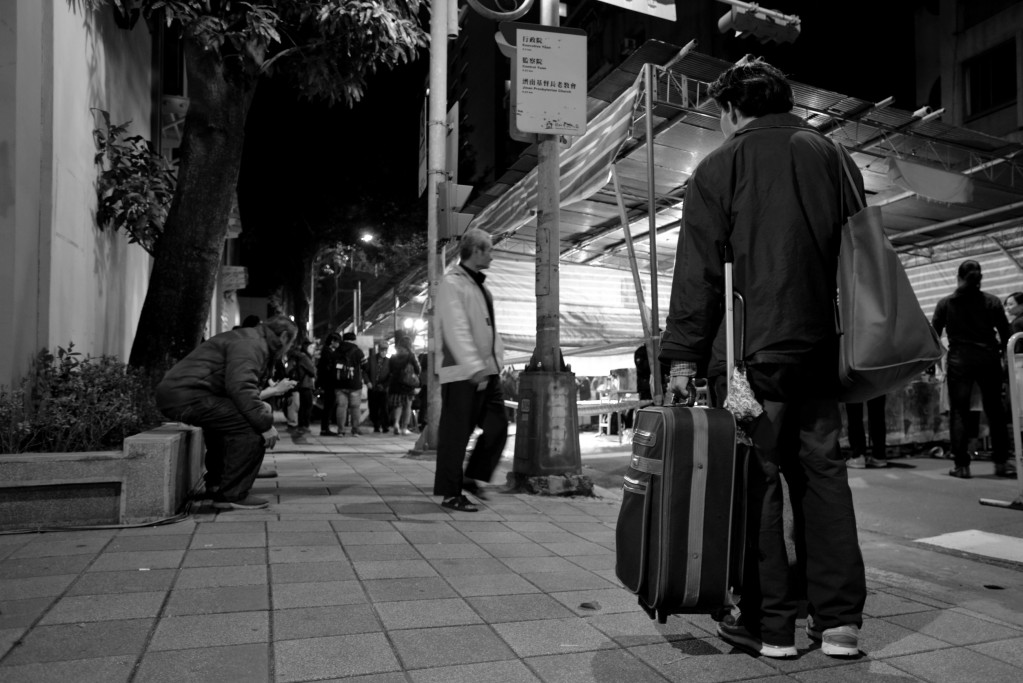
{"x": 969, "y": 272}
{"x": 250, "y": 321}
{"x": 348, "y": 336}
{"x": 754, "y": 87}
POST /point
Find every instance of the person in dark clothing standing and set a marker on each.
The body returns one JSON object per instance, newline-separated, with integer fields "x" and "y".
{"x": 858, "y": 439}
{"x": 326, "y": 380}
{"x": 218, "y": 387}
{"x": 302, "y": 370}
{"x": 399, "y": 392}
{"x": 349, "y": 367}
{"x": 771, "y": 193}
{"x": 377, "y": 375}
{"x": 972, "y": 319}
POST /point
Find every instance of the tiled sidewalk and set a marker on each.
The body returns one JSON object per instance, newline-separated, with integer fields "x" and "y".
{"x": 355, "y": 573}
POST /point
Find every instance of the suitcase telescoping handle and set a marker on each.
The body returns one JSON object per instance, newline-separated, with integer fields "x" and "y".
{"x": 729, "y": 313}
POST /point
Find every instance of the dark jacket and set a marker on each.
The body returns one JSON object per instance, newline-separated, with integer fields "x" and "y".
{"x": 395, "y": 366}
{"x": 341, "y": 369}
{"x": 971, "y": 318}
{"x": 772, "y": 191}
{"x": 301, "y": 369}
{"x": 234, "y": 364}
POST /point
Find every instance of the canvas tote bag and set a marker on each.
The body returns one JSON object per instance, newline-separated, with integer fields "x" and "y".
{"x": 885, "y": 339}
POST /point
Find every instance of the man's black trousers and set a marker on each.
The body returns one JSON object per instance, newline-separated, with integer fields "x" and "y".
{"x": 463, "y": 408}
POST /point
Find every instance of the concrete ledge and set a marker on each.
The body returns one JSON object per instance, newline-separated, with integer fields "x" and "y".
{"x": 147, "y": 480}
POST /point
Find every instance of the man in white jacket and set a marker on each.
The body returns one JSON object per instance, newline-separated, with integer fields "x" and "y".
{"x": 468, "y": 362}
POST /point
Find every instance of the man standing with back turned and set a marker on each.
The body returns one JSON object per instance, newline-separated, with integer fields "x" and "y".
{"x": 469, "y": 368}
{"x": 771, "y": 193}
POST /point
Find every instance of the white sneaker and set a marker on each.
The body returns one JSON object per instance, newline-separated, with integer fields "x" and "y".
{"x": 840, "y": 641}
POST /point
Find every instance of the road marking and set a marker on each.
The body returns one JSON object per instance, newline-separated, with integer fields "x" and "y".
{"x": 980, "y": 543}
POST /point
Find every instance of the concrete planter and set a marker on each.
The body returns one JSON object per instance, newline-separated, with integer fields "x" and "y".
{"x": 147, "y": 480}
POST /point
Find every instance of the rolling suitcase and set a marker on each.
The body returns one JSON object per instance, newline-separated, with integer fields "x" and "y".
{"x": 681, "y": 528}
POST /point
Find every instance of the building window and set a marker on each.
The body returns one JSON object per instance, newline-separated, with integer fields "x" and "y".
{"x": 990, "y": 79}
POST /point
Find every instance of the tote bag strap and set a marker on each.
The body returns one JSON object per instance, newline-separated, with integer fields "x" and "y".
{"x": 844, "y": 160}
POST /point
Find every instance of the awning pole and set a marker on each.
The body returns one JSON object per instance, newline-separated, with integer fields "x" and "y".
{"x": 634, "y": 268}
{"x": 655, "y": 342}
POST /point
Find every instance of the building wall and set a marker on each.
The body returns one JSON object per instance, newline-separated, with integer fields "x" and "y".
{"x": 68, "y": 280}
{"x": 959, "y": 44}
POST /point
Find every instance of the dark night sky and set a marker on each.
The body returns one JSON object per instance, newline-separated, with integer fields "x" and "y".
{"x": 301, "y": 156}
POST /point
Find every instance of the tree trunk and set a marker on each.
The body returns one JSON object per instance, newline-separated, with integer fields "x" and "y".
{"x": 299, "y": 289}
{"x": 188, "y": 255}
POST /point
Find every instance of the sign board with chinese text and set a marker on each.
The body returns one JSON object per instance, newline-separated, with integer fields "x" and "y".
{"x": 550, "y": 78}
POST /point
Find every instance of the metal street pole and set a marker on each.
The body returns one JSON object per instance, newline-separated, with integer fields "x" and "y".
{"x": 436, "y": 172}
{"x": 547, "y": 423}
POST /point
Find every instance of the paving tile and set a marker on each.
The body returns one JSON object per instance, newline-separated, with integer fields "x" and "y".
{"x": 81, "y": 641}
{"x": 95, "y": 670}
{"x": 225, "y": 557}
{"x": 298, "y": 527}
{"x": 402, "y": 551}
{"x": 954, "y": 627}
{"x": 580, "y": 579}
{"x": 290, "y": 595}
{"x": 577, "y": 547}
{"x": 304, "y": 572}
{"x": 1010, "y": 651}
{"x": 450, "y": 645}
{"x": 882, "y": 604}
{"x": 210, "y": 630}
{"x": 492, "y": 584}
{"x": 595, "y": 563}
{"x": 700, "y": 661}
{"x": 35, "y": 567}
{"x": 213, "y": 577}
{"x": 605, "y": 600}
{"x": 415, "y": 588}
{"x": 450, "y": 550}
{"x": 49, "y": 547}
{"x": 636, "y": 628}
{"x": 128, "y": 544}
{"x": 511, "y": 671}
{"x": 599, "y": 665}
{"x": 555, "y": 536}
{"x": 186, "y": 527}
{"x": 337, "y": 656}
{"x": 535, "y": 525}
{"x": 9, "y": 636}
{"x": 306, "y": 553}
{"x": 348, "y": 538}
{"x": 85, "y": 608}
{"x": 220, "y": 541}
{"x": 527, "y": 607}
{"x": 520, "y": 550}
{"x": 552, "y": 636}
{"x": 330, "y": 620}
{"x": 218, "y": 599}
{"x": 142, "y": 559}
{"x": 280, "y": 539}
{"x": 539, "y": 564}
{"x": 231, "y": 525}
{"x": 881, "y": 638}
{"x": 361, "y": 525}
{"x": 393, "y": 569}
{"x": 35, "y": 586}
{"x": 250, "y": 663}
{"x": 364, "y": 508}
{"x": 955, "y": 665}
{"x": 467, "y": 566}
{"x": 19, "y": 613}
{"x": 496, "y": 537}
{"x": 426, "y": 613}
{"x": 858, "y": 672}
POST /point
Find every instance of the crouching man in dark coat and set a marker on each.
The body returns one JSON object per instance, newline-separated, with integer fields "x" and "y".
{"x": 218, "y": 387}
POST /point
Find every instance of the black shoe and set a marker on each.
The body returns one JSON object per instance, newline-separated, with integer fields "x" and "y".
{"x": 459, "y": 503}
{"x": 267, "y": 474}
{"x": 960, "y": 472}
{"x": 472, "y": 486}
{"x": 327, "y": 432}
{"x": 733, "y": 631}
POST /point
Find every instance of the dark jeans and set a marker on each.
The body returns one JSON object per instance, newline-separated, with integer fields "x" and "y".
{"x": 875, "y": 424}
{"x": 329, "y": 404}
{"x": 987, "y": 373}
{"x": 797, "y": 438}
{"x": 378, "y": 413}
{"x": 234, "y": 450}
{"x": 462, "y": 409}
{"x": 305, "y": 407}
